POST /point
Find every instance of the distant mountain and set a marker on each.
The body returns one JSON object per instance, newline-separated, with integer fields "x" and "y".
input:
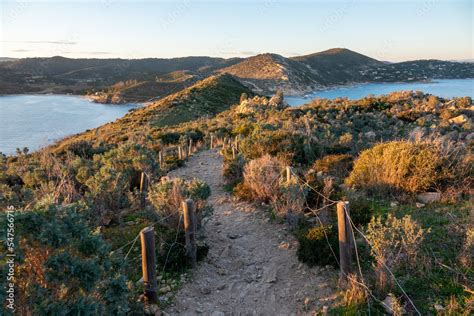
{"x": 338, "y": 65}
{"x": 267, "y": 72}
{"x": 298, "y": 75}
{"x": 137, "y": 80}
{"x": 418, "y": 70}
{"x": 68, "y": 68}
{"x": 4, "y": 59}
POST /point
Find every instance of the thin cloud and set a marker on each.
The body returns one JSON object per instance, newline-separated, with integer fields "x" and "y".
{"x": 96, "y": 53}
{"x": 21, "y": 50}
{"x": 43, "y": 42}
{"x": 241, "y": 53}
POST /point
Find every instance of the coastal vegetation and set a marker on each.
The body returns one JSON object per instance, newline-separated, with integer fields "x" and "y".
{"x": 403, "y": 161}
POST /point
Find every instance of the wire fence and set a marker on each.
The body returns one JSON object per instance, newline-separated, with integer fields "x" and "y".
{"x": 353, "y": 227}
{"x": 327, "y": 203}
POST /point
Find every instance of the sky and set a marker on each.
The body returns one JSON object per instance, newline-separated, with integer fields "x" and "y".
{"x": 386, "y": 30}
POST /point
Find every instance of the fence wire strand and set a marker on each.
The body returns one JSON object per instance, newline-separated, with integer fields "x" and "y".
{"x": 352, "y": 225}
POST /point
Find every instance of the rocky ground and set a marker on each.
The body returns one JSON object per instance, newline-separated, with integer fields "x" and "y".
{"x": 252, "y": 266}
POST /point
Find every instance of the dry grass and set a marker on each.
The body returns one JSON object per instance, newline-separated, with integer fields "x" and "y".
{"x": 262, "y": 177}
{"x": 413, "y": 166}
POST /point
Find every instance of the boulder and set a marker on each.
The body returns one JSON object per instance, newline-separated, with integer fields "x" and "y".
{"x": 391, "y": 305}
{"x": 428, "y": 197}
{"x": 370, "y": 135}
{"x": 165, "y": 289}
{"x": 439, "y": 308}
{"x": 459, "y": 120}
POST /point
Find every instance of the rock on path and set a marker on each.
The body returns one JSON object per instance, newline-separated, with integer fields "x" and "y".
{"x": 251, "y": 268}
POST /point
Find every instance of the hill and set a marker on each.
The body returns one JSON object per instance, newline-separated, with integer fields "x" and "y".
{"x": 418, "y": 70}
{"x": 144, "y": 91}
{"x": 66, "y": 75}
{"x": 338, "y": 65}
{"x": 266, "y": 73}
{"x": 204, "y": 99}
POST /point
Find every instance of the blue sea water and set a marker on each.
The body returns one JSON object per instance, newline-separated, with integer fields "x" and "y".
{"x": 446, "y": 88}
{"x": 35, "y": 121}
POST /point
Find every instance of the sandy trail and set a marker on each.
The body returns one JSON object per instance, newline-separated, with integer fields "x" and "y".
{"x": 251, "y": 268}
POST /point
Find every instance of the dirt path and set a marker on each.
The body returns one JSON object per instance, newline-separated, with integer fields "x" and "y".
{"x": 251, "y": 268}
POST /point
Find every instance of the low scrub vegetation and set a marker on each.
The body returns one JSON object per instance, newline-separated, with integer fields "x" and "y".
{"x": 410, "y": 166}
{"x": 395, "y": 146}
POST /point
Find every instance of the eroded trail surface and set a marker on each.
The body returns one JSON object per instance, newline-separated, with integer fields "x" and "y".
{"x": 251, "y": 268}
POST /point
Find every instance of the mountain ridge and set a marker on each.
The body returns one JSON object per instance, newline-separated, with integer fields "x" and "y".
{"x": 263, "y": 73}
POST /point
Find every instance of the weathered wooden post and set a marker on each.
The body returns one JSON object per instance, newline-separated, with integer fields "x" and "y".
{"x": 233, "y": 152}
{"x": 236, "y": 142}
{"x": 212, "y": 141}
{"x": 143, "y": 188}
{"x": 190, "y": 147}
{"x": 224, "y": 143}
{"x": 345, "y": 253}
{"x": 180, "y": 153}
{"x": 288, "y": 174}
{"x": 147, "y": 238}
{"x": 160, "y": 158}
{"x": 185, "y": 151}
{"x": 349, "y": 231}
{"x": 190, "y": 230}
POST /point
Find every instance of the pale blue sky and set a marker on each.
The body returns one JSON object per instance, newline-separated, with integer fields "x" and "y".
{"x": 395, "y": 31}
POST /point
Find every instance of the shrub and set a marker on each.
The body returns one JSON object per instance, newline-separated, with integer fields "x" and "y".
{"x": 400, "y": 165}
{"x": 233, "y": 169}
{"x": 394, "y": 243}
{"x": 361, "y": 210}
{"x": 314, "y": 248}
{"x": 166, "y": 197}
{"x": 290, "y": 146}
{"x": 290, "y": 202}
{"x": 262, "y": 177}
{"x": 64, "y": 268}
{"x": 334, "y": 165}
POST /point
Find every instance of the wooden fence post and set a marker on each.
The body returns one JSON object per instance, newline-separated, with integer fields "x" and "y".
{"x": 345, "y": 253}
{"x": 147, "y": 238}
{"x": 190, "y": 147}
{"x": 190, "y": 230}
{"x": 143, "y": 188}
{"x": 180, "y": 153}
{"x": 349, "y": 231}
{"x": 288, "y": 174}
{"x": 212, "y": 141}
{"x": 236, "y": 142}
{"x": 233, "y": 152}
{"x": 160, "y": 158}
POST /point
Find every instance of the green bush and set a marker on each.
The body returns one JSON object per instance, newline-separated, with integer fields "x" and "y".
{"x": 361, "y": 210}
{"x": 233, "y": 169}
{"x": 314, "y": 248}
{"x": 288, "y": 146}
{"x": 64, "y": 268}
{"x": 334, "y": 165}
